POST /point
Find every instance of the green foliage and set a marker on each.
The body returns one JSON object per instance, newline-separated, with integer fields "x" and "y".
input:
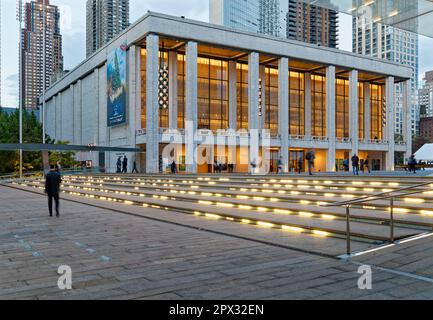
{"x": 32, "y": 133}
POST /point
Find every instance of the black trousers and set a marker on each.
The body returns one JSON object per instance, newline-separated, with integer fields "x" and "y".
{"x": 50, "y": 203}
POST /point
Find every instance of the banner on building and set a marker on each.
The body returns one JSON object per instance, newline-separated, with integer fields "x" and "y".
{"x": 116, "y": 87}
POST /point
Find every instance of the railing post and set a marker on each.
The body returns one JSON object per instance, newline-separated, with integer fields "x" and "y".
{"x": 392, "y": 219}
{"x": 348, "y": 229}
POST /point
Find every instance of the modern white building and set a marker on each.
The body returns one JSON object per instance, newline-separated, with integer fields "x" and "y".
{"x": 386, "y": 42}
{"x": 195, "y": 86}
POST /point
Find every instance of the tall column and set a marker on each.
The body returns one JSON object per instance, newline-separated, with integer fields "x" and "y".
{"x": 283, "y": 110}
{"x": 354, "y": 110}
{"x": 407, "y": 130}
{"x": 253, "y": 106}
{"x": 191, "y": 87}
{"x": 152, "y": 126}
{"x": 172, "y": 91}
{"x": 390, "y": 122}
{"x": 367, "y": 112}
{"x": 132, "y": 92}
{"x": 233, "y": 103}
{"x": 308, "y": 131}
{"x": 330, "y": 115}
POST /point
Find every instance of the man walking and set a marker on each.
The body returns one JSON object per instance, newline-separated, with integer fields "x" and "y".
{"x": 355, "y": 165}
{"x": 52, "y": 189}
{"x": 134, "y": 169}
{"x": 125, "y": 165}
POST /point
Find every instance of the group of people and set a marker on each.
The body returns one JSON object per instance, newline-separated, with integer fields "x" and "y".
{"x": 358, "y": 165}
{"x": 122, "y": 165}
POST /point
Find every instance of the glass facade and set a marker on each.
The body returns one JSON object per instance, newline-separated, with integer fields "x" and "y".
{"x": 297, "y": 104}
{"x": 212, "y": 97}
{"x": 318, "y": 106}
{"x": 342, "y": 108}
{"x": 242, "y": 95}
{"x": 376, "y": 103}
{"x": 181, "y": 91}
{"x": 271, "y": 100}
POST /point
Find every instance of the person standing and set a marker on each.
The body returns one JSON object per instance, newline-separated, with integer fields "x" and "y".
{"x": 173, "y": 167}
{"x": 300, "y": 165}
{"x": 355, "y": 165}
{"x": 412, "y": 164}
{"x": 310, "y": 158}
{"x": 119, "y": 165}
{"x": 367, "y": 164}
{"x": 280, "y": 166}
{"x": 53, "y": 181}
{"x": 134, "y": 169}
{"x": 125, "y": 165}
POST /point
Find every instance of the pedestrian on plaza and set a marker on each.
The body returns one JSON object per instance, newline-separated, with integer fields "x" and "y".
{"x": 412, "y": 164}
{"x": 300, "y": 165}
{"x": 280, "y": 166}
{"x": 355, "y": 165}
{"x": 310, "y": 158}
{"x": 53, "y": 181}
{"x": 119, "y": 165}
{"x": 362, "y": 168}
{"x": 231, "y": 167}
{"x": 135, "y": 170}
{"x": 367, "y": 165}
{"x": 173, "y": 167}
{"x": 125, "y": 165}
{"x": 346, "y": 165}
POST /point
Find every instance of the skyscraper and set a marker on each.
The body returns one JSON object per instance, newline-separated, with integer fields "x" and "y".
{"x": 104, "y": 20}
{"x": 426, "y": 96}
{"x": 33, "y": 51}
{"x": 370, "y": 37}
{"x": 312, "y": 24}
{"x": 294, "y": 19}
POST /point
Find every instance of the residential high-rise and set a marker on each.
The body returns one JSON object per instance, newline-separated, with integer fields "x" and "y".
{"x": 104, "y": 20}
{"x": 370, "y": 37}
{"x": 313, "y": 24}
{"x": 33, "y": 51}
{"x": 269, "y": 19}
{"x": 425, "y": 96}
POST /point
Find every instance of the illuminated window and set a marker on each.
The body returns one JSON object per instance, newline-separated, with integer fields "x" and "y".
{"x": 361, "y": 107}
{"x": 342, "y": 108}
{"x": 318, "y": 106}
{"x": 297, "y": 104}
{"x": 242, "y": 95}
{"x": 271, "y": 100}
{"x": 181, "y": 91}
{"x": 143, "y": 88}
{"x": 376, "y": 102}
{"x": 212, "y": 97}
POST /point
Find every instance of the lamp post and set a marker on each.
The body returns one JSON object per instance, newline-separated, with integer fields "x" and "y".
{"x": 20, "y": 95}
{"x": 43, "y": 70}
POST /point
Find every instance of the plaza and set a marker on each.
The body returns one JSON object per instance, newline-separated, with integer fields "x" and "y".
{"x": 214, "y": 237}
{"x": 233, "y": 97}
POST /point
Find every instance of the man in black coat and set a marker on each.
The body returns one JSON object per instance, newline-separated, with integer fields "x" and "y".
{"x": 125, "y": 165}
{"x": 53, "y": 181}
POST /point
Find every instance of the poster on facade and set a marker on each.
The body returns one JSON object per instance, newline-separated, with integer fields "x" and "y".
{"x": 116, "y": 87}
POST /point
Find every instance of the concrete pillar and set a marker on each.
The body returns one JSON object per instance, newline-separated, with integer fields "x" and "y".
{"x": 253, "y": 106}
{"x": 354, "y": 111}
{"x": 308, "y": 115}
{"x": 233, "y": 103}
{"x": 132, "y": 94}
{"x": 407, "y": 130}
{"x": 367, "y": 112}
{"x": 138, "y": 86}
{"x": 172, "y": 91}
{"x": 330, "y": 117}
{"x": 152, "y": 123}
{"x": 390, "y": 122}
{"x": 191, "y": 87}
{"x": 283, "y": 110}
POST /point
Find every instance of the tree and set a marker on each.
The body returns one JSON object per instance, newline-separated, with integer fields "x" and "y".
{"x": 32, "y": 133}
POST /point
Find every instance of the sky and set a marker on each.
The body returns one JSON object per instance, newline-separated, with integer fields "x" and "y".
{"x": 73, "y": 29}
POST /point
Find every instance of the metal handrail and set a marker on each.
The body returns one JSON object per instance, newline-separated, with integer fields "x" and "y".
{"x": 379, "y": 196}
